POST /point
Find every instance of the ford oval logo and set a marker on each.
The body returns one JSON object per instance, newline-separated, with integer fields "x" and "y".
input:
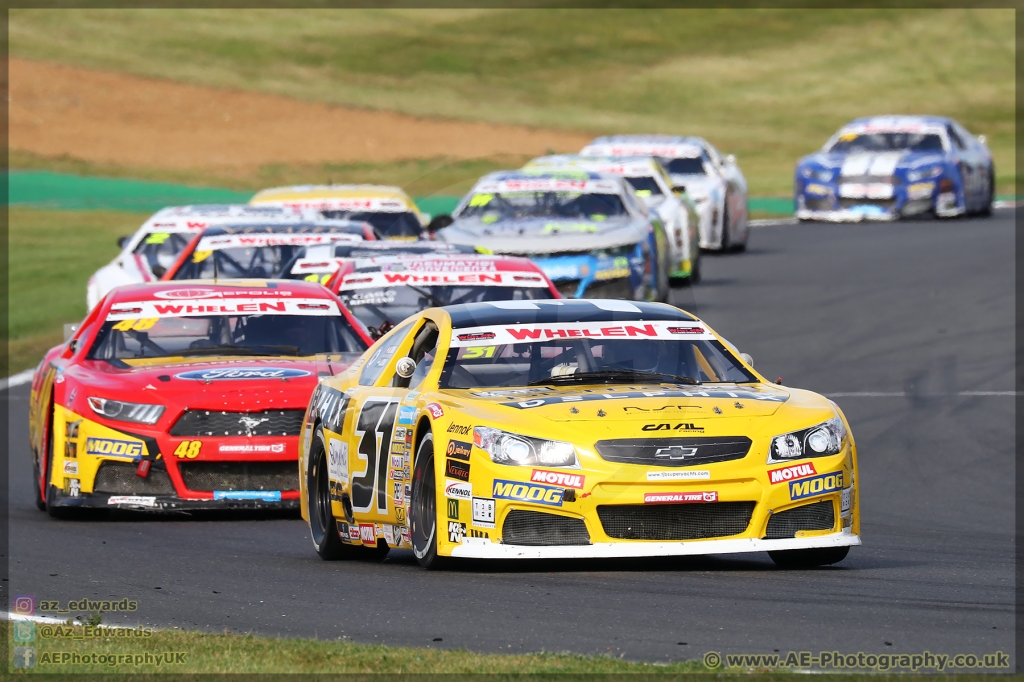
{"x": 232, "y": 373}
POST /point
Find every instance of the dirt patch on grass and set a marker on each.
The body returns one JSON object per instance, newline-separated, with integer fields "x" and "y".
{"x": 112, "y": 118}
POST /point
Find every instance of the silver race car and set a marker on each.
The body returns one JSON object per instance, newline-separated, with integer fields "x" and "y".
{"x": 714, "y": 182}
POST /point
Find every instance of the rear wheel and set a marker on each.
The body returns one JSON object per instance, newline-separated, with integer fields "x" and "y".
{"x": 323, "y": 527}
{"x": 809, "y": 558}
{"x": 986, "y": 210}
{"x": 423, "y": 515}
{"x": 726, "y": 233}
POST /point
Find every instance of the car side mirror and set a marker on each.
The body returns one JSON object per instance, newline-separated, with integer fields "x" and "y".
{"x": 679, "y": 189}
{"x": 405, "y": 367}
{"x": 730, "y": 158}
{"x": 121, "y": 241}
{"x": 159, "y": 271}
{"x": 439, "y": 222}
{"x": 747, "y": 359}
{"x": 982, "y": 139}
{"x": 69, "y": 330}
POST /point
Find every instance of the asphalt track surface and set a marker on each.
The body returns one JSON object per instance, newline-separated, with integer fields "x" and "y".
{"x": 920, "y": 312}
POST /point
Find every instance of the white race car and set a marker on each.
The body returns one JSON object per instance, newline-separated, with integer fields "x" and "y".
{"x": 654, "y": 187}
{"x": 146, "y": 255}
{"x": 715, "y": 183}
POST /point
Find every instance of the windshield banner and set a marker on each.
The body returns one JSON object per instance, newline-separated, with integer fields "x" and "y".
{"x": 377, "y": 280}
{"x": 251, "y": 241}
{"x": 239, "y": 306}
{"x": 672, "y": 151}
{"x": 500, "y": 334}
{"x": 361, "y": 204}
{"x": 547, "y": 185}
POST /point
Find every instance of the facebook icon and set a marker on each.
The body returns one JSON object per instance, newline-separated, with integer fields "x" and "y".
{"x": 24, "y": 657}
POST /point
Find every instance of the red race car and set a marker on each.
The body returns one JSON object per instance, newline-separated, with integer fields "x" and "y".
{"x": 185, "y": 395}
{"x": 260, "y": 251}
{"x": 384, "y": 290}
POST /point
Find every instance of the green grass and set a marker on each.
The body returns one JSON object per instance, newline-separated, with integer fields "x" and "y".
{"x": 224, "y": 653}
{"x": 766, "y": 85}
{"x": 51, "y": 256}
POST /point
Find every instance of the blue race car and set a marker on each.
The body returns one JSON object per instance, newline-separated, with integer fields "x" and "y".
{"x": 888, "y": 167}
{"x": 589, "y": 232}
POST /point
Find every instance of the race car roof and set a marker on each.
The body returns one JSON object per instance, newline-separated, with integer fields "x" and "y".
{"x": 233, "y": 236}
{"x": 196, "y": 217}
{"x": 632, "y": 166}
{"x": 223, "y": 288}
{"x": 369, "y": 198}
{"x": 566, "y": 180}
{"x": 670, "y": 146}
{"x": 560, "y": 310}
{"x": 897, "y": 124}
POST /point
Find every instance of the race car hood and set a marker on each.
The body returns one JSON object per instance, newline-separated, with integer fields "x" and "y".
{"x": 234, "y": 384}
{"x": 530, "y": 236}
{"x": 882, "y": 164}
{"x": 620, "y": 402}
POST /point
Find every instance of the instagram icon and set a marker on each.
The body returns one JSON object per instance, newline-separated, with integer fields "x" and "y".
{"x": 24, "y": 604}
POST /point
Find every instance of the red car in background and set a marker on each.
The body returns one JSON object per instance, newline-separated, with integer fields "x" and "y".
{"x": 185, "y": 395}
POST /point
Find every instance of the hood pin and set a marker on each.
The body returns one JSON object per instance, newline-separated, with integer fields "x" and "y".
{"x": 600, "y": 413}
{"x": 717, "y": 409}
{"x": 739, "y": 406}
{"x": 573, "y": 410}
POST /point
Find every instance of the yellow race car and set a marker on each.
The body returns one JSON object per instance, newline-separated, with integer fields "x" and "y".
{"x": 572, "y": 429}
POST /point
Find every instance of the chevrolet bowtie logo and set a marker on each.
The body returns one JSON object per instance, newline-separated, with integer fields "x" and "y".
{"x": 675, "y": 452}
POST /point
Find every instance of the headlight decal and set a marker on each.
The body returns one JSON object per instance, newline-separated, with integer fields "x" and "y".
{"x": 515, "y": 450}
{"x": 139, "y": 413}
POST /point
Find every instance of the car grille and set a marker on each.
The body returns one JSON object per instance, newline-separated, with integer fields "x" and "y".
{"x": 817, "y": 516}
{"x": 847, "y": 202}
{"x": 818, "y": 203}
{"x": 208, "y": 423}
{"x": 537, "y": 528}
{"x": 673, "y": 452}
{"x": 893, "y": 180}
{"x": 118, "y": 478}
{"x": 207, "y": 476}
{"x": 675, "y": 521}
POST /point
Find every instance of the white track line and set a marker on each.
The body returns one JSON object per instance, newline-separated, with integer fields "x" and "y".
{"x": 16, "y": 379}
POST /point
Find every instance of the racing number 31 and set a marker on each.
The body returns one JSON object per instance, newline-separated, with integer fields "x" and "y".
{"x": 373, "y": 430}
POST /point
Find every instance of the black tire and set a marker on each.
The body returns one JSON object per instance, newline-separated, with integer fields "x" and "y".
{"x": 726, "y": 243}
{"x": 808, "y": 558}
{"x": 37, "y": 480}
{"x": 423, "y": 511}
{"x": 323, "y": 527}
{"x": 52, "y": 492}
{"x": 986, "y": 210}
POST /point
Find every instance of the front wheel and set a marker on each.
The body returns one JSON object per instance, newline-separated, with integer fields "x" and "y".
{"x": 323, "y": 527}
{"x": 809, "y": 558}
{"x": 423, "y": 515}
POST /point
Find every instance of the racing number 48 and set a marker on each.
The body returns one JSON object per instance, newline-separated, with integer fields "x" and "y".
{"x": 373, "y": 430}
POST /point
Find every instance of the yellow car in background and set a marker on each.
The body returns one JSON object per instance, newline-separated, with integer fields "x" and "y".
{"x": 572, "y": 429}
{"x": 388, "y": 209}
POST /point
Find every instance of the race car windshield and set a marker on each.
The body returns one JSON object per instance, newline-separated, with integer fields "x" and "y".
{"x": 259, "y": 335}
{"x": 374, "y": 307}
{"x": 263, "y": 262}
{"x": 388, "y": 224}
{"x": 162, "y": 248}
{"x": 887, "y": 142}
{"x": 592, "y": 361}
{"x": 693, "y": 166}
{"x": 645, "y": 187}
{"x": 493, "y": 207}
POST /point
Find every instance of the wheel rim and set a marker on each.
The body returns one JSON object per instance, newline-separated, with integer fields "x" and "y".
{"x": 425, "y": 507}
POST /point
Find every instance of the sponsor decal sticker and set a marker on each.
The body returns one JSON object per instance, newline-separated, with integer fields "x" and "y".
{"x": 397, "y": 497}
{"x": 453, "y": 509}
{"x": 74, "y": 487}
{"x": 406, "y": 414}
{"x": 111, "y": 447}
{"x": 456, "y": 531}
{"x": 134, "y": 500}
{"x": 71, "y": 468}
{"x": 483, "y": 512}
{"x": 791, "y": 473}
{"x": 456, "y": 469}
{"x": 406, "y": 536}
{"x": 389, "y": 534}
{"x": 397, "y": 461}
{"x": 400, "y": 514}
{"x": 681, "y": 426}
{"x": 528, "y": 492}
{"x": 561, "y": 478}
{"x": 844, "y": 508}
{"x": 250, "y": 447}
{"x": 690, "y": 475}
{"x": 337, "y": 460}
{"x": 676, "y": 498}
{"x": 458, "y": 490}
{"x": 459, "y": 449}
{"x": 817, "y": 485}
{"x": 353, "y": 533}
{"x": 458, "y": 429}
{"x": 264, "y": 495}
{"x": 398, "y": 446}
{"x": 239, "y": 373}
{"x": 435, "y": 410}
{"x": 368, "y": 534}
{"x": 399, "y": 433}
